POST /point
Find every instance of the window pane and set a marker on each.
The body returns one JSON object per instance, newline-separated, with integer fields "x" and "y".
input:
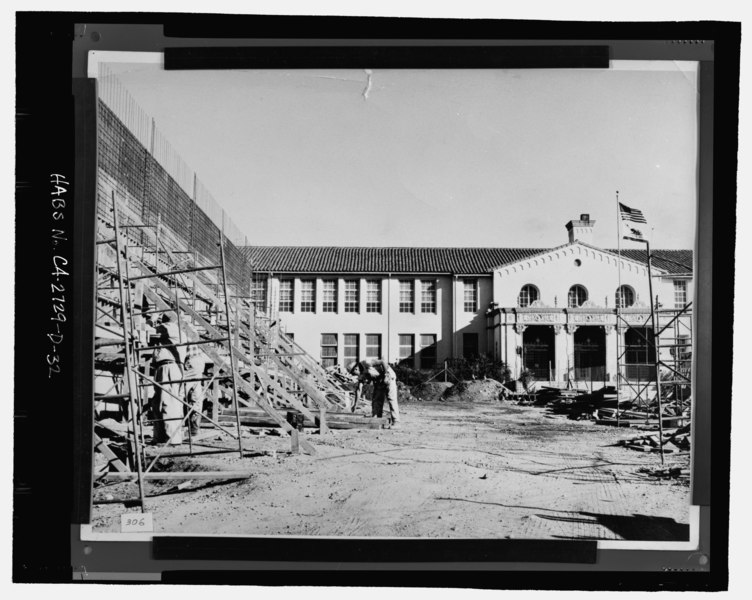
{"x": 471, "y": 295}
{"x": 528, "y": 295}
{"x": 577, "y": 296}
{"x": 680, "y": 293}
{"x": 351, "y": 348}
{"x": 373, "y": 295}
{"x": 258, "y": 291}
{"x": 373, "y": 345}
{"x": 428, "y": 296}
{"x": 329, "y": 295}
{"x": 308, "y": 295}
{"x": 328, "y": 349}
{"x": 352, "y": 296}
{"x": 285, "y": 295}
{"x": 427, "y": 351}
{"x": 406, "y": 298}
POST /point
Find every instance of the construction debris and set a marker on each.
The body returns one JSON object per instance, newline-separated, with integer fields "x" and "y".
{"x": 680, "y": 440}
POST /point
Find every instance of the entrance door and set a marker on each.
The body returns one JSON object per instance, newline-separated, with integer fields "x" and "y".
{"x": 590, "y": 354}
{"x": 538, "y": 351}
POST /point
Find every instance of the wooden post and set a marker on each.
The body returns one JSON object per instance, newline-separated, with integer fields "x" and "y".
{"x": 294, "y": 442}
{"x": 323, "y": 427}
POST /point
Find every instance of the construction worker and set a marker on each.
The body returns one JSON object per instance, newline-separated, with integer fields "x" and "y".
{"x": 384, "y": 379}
{"x": 165, "y": 404}
{"x": 195, "y": 364}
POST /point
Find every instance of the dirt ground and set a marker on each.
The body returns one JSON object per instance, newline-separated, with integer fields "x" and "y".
{"x": 453, "y": 470}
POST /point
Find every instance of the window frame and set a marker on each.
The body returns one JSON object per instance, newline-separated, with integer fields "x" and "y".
{"x": 369, "y": 347}
{"x": 329, "y": 305}
{"x": 330, "y": 345}
{"x": 352, "y": 306}
{"x": 618, "y": 296}
{"x": 307, "y": 305}
{"x": 475, "y": 290}
{"x": 373, "y": 306}
{"x": 287, "y": 304}
{"x": 407, "y": 306}
{"x": 577, "y": 286}
{"x": 429, "y": 306}
{"x": 530, "y": 300}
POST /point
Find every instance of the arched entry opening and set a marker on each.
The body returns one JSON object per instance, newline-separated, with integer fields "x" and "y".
{"x": 538, "y": 351}
{"x": 590, "y": 354}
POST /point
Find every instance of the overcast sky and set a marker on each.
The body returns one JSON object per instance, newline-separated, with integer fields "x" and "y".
{"x": 434, "y": 157}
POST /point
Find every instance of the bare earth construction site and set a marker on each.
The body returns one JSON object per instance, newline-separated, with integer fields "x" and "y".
{"x": 455, "y": 469}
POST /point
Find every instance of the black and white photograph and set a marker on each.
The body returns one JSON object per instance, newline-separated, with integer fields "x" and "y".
{"x": 395, "y": 303}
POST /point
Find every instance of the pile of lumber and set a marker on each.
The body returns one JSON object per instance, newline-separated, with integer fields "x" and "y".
{"x": 607, "y": 416}
{"x": 251, "y": 417}
{"x": 679, "y": 440}
{"x": 666, "y": 473}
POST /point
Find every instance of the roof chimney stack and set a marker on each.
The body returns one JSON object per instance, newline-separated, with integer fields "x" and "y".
{"x": 581, "y": 230}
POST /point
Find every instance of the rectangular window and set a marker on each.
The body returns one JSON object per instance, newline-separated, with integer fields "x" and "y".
{"x": 373, "y": 345}
{"x": 373, "y": 296}
{"x": 680, "y": 293}
{"x": 406, "y": 346}
{"x": 427, "y": 351}
{"x": 351, "y": 348}
{"x": 258, "y": 291}
{"x": 328, "y": 349}
{"x": 471, "y": 295}
{"x": 308, "y": 295}
{"x": 352, "y": 296}
{"x": 329, "y": 295}
{"x": 428, "y": 296}
{"x": 470, "y": 345}
{"x": 406, "y": 295}
{"x": 285, "y": 295}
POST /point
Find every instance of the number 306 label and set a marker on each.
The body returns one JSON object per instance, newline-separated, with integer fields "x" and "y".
{"x": 136, "y": 522}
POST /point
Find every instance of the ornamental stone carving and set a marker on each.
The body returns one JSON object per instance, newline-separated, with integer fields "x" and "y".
{"x": 519, "y": 328}
{"x": 572, "y": 328}
{"x": 589, "y": 319}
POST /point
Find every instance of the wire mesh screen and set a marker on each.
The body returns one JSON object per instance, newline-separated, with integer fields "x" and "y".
{"x": 148, "y": 174}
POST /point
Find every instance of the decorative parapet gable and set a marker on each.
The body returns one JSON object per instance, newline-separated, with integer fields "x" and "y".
{"x": 574, "y": 250}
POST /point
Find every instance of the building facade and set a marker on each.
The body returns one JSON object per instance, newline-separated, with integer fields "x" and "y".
{"x": 551, "y": 311}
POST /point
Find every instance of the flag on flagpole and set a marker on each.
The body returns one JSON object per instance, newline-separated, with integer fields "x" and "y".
{"x": 634, "y": 225}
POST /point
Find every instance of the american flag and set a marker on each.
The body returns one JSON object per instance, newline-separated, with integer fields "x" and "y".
{"x": 631, "y": 214}
{"x": 633, "y": 222}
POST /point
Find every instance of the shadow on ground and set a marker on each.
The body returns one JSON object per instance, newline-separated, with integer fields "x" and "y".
{"x": 631, "y": 527}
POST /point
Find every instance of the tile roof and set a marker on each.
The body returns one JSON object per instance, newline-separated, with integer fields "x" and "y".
{"x": 332, "y": 259}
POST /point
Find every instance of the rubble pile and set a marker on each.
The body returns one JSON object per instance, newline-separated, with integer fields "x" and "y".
{"x": 679, "y": 440}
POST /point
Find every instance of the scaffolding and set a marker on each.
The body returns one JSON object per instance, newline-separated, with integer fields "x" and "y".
{"x": 143, "y": 273}
{"x": 658, "y": 389}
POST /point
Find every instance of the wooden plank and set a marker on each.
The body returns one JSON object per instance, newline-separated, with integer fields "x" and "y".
{"x": 183, "y": 475}
{"x": 112, "y": 459}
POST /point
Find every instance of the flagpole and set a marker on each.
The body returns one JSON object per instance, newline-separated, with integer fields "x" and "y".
{"x": 618, "y": 312}
{"x": 656, "y": 349}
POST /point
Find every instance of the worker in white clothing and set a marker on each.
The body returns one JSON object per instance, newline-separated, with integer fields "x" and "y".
{"x": 384, "y": 379}
{"x": 195, "y": 364}
{"x": 166, "y": 407}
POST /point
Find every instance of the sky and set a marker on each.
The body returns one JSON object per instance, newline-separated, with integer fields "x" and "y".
{"x": 434, "y": 157}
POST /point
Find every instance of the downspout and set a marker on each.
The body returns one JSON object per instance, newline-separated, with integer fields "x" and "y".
{"x": 389, "y": 318}
{"x": 454, "y": 317}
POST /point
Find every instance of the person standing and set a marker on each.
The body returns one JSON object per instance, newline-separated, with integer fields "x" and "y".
{"x": 167, "y": 363}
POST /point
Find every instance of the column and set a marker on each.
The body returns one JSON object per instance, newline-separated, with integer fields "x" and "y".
{"x": 611, "y": 353}
{"x": 560, "y": 354}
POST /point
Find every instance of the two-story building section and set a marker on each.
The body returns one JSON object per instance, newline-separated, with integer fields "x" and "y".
{"x": 552, "y": 311}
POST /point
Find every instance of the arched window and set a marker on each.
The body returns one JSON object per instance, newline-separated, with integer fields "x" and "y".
{"x": 528, "y": 294}
{"x": 577, "y": 296}
{"x": 625, "y": 297}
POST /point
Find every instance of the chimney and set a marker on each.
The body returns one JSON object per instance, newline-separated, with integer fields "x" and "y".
{"x": 581, "y": 229}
